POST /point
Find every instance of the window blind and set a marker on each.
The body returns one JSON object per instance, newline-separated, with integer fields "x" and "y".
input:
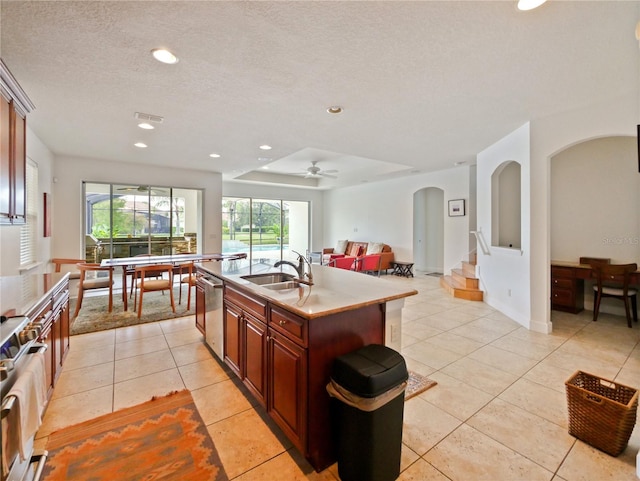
{"x": 29, "y": 231}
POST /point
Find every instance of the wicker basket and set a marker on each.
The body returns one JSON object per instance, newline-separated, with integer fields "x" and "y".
{"x": 601, "y": 413}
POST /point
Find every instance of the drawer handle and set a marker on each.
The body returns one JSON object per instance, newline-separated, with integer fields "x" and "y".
{"x": 282, "y": 322}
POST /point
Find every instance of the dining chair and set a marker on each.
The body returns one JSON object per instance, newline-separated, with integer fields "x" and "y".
{"x": 187, "y": 274}
{"x": 369, "y": 264}
{"x": 90, "y": 279}
{"x": 612, "y": 280}
{"x": 61, "y": 263}
{"x": 131, "y": 270}
{"x": 146, "y": 284}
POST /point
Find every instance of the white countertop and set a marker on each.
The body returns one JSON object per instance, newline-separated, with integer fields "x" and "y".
{"x": 334, "y": 290}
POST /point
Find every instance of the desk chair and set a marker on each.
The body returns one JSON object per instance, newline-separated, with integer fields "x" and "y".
{"x": 89, "y": 279}
{"x": 612, "y": 280}
{"x": 187, "y": 275}
{"x": 145, "y": 284}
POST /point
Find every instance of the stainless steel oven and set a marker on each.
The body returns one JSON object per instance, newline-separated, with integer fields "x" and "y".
{"x": 18, "y": 349}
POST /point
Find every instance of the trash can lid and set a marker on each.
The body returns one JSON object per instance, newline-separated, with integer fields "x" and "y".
{"x": 370, "y": 371}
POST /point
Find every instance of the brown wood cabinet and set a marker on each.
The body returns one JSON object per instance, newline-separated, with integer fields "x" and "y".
{"x": 51, "y": 315}
{"x": 14, "y": 106}
{"x": 567, "y": 291}
{"x": 285, "y": 361}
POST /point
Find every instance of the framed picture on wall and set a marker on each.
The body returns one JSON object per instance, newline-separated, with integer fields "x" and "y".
{"x": 456, "y": 207}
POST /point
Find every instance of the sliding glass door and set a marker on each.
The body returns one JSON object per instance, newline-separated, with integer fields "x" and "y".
{"x": 125, "y": 220}
{"x": 267, "y": 230}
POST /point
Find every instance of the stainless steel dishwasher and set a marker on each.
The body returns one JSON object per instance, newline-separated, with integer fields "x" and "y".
{"x": 213, "y": 296}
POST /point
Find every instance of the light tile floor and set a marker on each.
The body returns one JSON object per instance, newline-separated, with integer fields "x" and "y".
{"x": 498, "y": 411}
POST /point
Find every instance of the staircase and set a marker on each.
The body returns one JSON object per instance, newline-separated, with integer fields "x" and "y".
{"x": 463, "y": 283}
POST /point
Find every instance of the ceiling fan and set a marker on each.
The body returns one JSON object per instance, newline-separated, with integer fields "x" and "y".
{"x": 314, "y": 172}
{"x": 143, "y": 189}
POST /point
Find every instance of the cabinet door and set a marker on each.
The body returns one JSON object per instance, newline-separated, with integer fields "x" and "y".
{"x": 64, "y": 331}
{"x": 287, "y": 369}
{"x": 200, "y": 309}
{"x": 5, "y": 161}
{"x": 47, "y": 338}
{"x": 255, "y": 357}
{"x": 19, "y": 169}
{"x": 232, "y": 337}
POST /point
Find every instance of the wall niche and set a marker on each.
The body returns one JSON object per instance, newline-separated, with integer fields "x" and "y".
{"x": 506, "y": 224}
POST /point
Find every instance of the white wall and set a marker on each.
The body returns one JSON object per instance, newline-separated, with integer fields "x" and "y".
{"x": 595, "y": 206}
{"x": 504, "y": 274}
{"x": 595, "y": 201}
{"x": 618, "y": 116}
{"x": 383, "y": 212}
{"x": 10, "y": 235}
{"x": 70, "y": 172}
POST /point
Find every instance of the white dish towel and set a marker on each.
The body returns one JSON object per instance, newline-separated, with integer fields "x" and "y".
{"x": 30, "y": 394}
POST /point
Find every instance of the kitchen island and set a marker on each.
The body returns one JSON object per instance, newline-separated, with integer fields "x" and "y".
{"x": 281, "y": 341}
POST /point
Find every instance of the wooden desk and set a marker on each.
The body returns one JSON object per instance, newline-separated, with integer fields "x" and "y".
{"x": 567, "y": 285}
{"x": 127, "y": 263}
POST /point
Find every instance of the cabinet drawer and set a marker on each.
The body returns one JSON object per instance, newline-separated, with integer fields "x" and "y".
{"x": 294, "y": 327}
{"x": 562, "y": 297}
{"x": 566, "y": 283}
{"x": 255, "y": 306}
{"x": 566, "y": 272}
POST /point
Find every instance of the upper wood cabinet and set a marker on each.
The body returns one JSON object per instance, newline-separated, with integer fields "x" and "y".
{"x": 14, "y": 107}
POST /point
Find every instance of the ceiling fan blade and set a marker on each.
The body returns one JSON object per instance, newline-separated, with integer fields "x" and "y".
{"x": 330, "y": 176}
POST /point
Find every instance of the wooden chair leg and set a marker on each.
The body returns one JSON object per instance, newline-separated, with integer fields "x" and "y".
{"x": 627, "y": 311}
{"x": 188, "y": 295}
{"x": 79, "y": 302}
{"x": 596, "y": 306}
{"x": 140, "y": 305}
{"x": 634, "y": 307}
{"x": 173, "y": 304}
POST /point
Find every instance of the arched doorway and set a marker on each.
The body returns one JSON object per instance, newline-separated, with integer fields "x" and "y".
{"x": 428, "y": 230}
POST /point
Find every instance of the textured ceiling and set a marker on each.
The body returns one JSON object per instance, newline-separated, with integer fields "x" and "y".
{"x": 423, "y": 84}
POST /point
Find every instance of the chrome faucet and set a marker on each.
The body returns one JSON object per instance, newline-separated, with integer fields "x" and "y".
{"x": 300, "y": 269}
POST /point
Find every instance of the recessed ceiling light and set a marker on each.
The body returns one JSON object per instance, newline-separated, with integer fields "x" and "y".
{"x": 265, "y": 167}
{"x": 163, "y": 55}
{"x": 265, "y": 147}
{"x": 525, "y": 5}
{"x": 140, "y": 145}
{"x": 215, "y": 156}
{"x": 264, "y": 159}
{"x": 146, "y": 126}
{"x": 460, "y": 162}
{"x": 335, "y": 109}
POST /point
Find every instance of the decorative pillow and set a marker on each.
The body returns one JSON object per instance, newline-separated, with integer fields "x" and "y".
{"x": 356, "y": 250}
{"x": 341, "y": 247}
{"x": 375, "y": 247}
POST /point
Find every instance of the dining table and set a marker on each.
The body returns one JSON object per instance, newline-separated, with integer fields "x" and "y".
{"x": 129, "y": 263}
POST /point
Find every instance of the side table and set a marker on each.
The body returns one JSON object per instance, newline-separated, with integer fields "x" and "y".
{"x": 404, "y": 269}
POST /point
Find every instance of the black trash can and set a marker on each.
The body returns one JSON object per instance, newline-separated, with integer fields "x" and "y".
{"x": 368, "y": 390}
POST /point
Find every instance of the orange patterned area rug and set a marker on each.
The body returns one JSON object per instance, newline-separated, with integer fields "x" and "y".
{"x": 162, "y": 439}
{"x": 416, "y": 384}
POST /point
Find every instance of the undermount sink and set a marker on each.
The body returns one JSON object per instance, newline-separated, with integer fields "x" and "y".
{"x": 270, "y": 278}
{"x": 281, "y": 286}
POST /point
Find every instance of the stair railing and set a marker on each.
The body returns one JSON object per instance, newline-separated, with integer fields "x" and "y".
{"x": 481, "y": 242}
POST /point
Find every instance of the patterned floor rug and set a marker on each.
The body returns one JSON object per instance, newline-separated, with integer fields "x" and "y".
{"x": 162, "y": 439}
{"x": 417, "y": 384}
{"x": 95, "y": 316}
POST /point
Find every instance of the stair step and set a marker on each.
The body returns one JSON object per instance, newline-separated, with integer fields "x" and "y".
{"x": 458, "y": 290}
{"x": 463, "y": 278}
{"x": 469, "y": 269}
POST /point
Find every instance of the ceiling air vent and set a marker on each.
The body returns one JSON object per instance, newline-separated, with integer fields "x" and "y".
{"x": 149, "y": 118}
